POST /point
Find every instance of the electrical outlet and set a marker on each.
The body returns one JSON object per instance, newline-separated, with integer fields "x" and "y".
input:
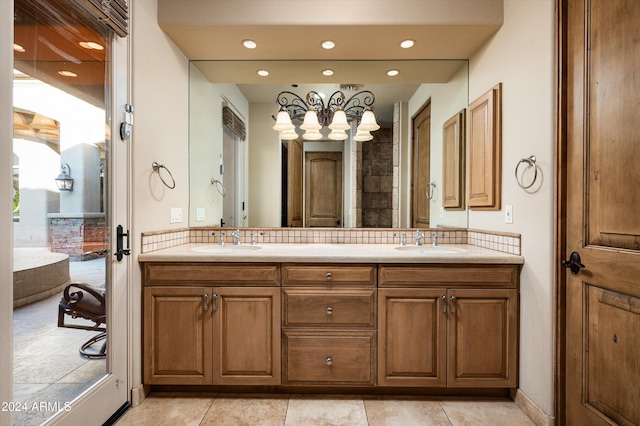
{"x": 176, "y": 215}
{"x": 441, "y": 212}
{"x": 508, "y": 214}
{"x": 199, "y": 214}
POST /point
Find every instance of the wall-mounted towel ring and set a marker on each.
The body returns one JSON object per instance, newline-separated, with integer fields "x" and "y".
{"x": 431, "y": 186}
{"x": 156, "y": 168}
{"x": 219, "y": 186}
{"x": 531, "y": 161}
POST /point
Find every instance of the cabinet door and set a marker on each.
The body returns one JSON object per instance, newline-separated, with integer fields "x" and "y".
{"x": 177, "y": 335}
{"x": 412, "y": 337}
{"x": 247, "y": 336}
{"x": 482, "y": 338}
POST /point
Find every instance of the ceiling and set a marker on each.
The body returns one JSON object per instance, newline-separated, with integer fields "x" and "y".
{"x": 366, "y": 33}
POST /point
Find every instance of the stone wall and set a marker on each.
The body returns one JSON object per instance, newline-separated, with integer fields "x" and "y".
{"x": 82, "y": 237}
{"x": 377, "y": 180}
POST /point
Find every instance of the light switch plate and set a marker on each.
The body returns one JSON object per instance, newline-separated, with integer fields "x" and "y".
{"x": 199, "y": 214}
{"x": 441, "y": 212}
{"x": 176, "y": 215}
{"x": 508, "y": 213}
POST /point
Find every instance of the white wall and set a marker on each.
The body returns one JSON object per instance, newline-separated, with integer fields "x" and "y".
{"x": 205, "y": 142}
{"x": 521, "y": 56}
{"x": 160, "y": 95}
{"x": 264, "y": 171}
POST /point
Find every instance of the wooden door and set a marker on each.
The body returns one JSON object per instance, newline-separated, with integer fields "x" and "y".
{"x": 177, "y": 335}
{"x": 246, "y": 336}
{"x": 482, "y": 338}
{"x": 421, "y": 168}
{"x": 599, "y": 324}
{"x": 412, "y": 337}
{"x": 294, "y": 183}
{"x": 323, "y": 189}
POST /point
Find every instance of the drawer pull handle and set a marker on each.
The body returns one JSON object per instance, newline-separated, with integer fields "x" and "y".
{"x": 206, "y": 301}
{"x": 329, "y": 310}
{"x": 444, "y": 304}
{"x": 215, "y": 302}
{"x": 453, "y": 304}
{"x": 329, "y": 276}
{"x": 329, "y": 360}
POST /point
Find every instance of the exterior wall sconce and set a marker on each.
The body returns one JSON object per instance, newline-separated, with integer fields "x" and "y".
{"x": 64, "y": 179}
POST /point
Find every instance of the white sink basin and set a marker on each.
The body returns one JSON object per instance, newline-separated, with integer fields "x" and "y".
{"x": 225, "y": 248}
{"x": 431, "y": 249}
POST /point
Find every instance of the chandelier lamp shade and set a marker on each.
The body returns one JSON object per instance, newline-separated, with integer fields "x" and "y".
{"x": 336, "y": 114}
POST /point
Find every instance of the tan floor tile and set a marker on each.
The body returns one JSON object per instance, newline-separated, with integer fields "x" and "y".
{"x": 249, "y": 410}
{"x": 479, "y": 412}
{"x": 406, "y": 411}
{"x": 332, "y": 410}
{"x": 171, "y": 411}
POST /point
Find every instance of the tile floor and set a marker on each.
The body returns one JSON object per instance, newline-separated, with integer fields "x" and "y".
{"x": 311, "y": 410}
{"x": 46, "y": 364}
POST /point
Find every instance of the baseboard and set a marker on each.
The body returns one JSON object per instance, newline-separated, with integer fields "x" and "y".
{"x": 531, "y": 409}
{"x": 138, "y": 395}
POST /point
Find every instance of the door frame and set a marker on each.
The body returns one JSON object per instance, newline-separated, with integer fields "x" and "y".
{"x": 560, "y": 237}
{"x": 414, "y": 166}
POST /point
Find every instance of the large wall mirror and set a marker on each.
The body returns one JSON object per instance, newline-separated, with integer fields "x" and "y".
{"x": 243, "y": 175}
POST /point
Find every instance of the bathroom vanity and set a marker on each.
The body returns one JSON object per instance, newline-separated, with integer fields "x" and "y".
{"x": 338, "y": 316}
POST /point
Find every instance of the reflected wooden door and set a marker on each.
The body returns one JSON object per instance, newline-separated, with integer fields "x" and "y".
{"x": 294, "y": 182}
{"x": 602, "y": 348}
{"x": 323, "y": 189}
{"x": 421, "y": 168}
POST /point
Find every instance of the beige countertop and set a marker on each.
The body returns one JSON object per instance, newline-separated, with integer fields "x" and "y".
{"x": 331, "y": 253}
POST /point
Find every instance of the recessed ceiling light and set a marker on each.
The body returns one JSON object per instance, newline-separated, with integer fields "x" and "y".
{"x": 393, "y": 73}
{"x": 18, "y": 48}
{"x": 405, "y": 44}
{"x": 328, "y": 44}
{"x": 66, "y": 73}
{"x": 249, "y": 44}
{"x": 263, "y": 73}
{"x": 91, "y": 45}
{"x": 327, "y": 72}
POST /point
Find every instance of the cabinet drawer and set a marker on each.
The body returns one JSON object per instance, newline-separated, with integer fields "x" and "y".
{"x": 460, "y": 276}
{"x": 304, "y": 307}
{"x": 229, "y": 274}
{"x": 351, "y": 275}
{"x": 330, "y": 358}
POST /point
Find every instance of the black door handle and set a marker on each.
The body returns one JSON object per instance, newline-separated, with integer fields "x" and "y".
{"x": 573, "y": 263}
{"x": 120, "y": 251}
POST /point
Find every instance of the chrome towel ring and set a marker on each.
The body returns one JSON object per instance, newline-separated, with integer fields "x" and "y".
{"x": 156, "y": 168}
{"x": 219, "y": 186}
{"x": 531, "y": 161}
{"x": 431, "y": 186}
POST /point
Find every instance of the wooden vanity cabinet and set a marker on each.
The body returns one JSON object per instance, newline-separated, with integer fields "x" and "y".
{"x": 211, "y": 334}
{"x": 453, "y": 326}
{"x": 329, "y": 325}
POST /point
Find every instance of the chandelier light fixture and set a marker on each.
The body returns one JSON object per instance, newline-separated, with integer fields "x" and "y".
{"x": 335, "y": 114}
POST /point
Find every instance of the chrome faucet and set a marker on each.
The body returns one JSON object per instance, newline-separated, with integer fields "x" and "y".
{"x": 222, "y": 235}
{"x": 434, "y": 239}
{"x": 402, "y": 236}
{"x": 254, "y": 237}
{"x": 236, "y": 237}
{"x": 419, "y": 237}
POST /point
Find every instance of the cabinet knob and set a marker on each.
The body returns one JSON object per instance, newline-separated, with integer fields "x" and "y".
{"x": 329, "y": 360}
{"x": 329, "y": 276}
{"x": 329, "y": 310}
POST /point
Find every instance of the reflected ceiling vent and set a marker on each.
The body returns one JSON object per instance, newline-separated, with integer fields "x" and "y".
{"x": 351, "y": 87}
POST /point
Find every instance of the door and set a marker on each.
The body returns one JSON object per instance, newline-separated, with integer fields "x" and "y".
{"x": 421, "y": 191}
{"x": 178, "y": 333}
{"x": 294, "y": 183}
{"x": 482, "y": 338}
{"x": 412, "y": 333}
{"x": 246, "y": 343}
{"x": 67, "y": 123}
{"x": 323, "y": 189}
{"x": 600, "y": 331}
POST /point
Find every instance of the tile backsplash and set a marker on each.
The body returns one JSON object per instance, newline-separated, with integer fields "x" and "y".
{"x": 498, "y": 241}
